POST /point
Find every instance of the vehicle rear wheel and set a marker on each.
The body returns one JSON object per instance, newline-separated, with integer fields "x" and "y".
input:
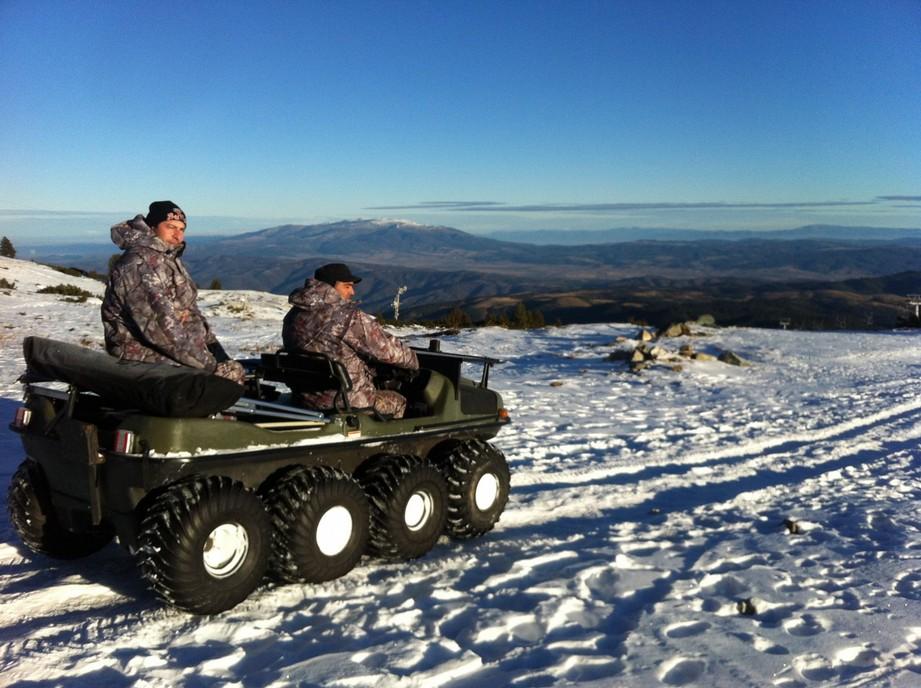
{"x": 320, "y": 518}
{"x": 204, "y": 544}
{"x": 32, "y": 515}
{"x": 407, "y": 497}
{"x": 478, "y": 485}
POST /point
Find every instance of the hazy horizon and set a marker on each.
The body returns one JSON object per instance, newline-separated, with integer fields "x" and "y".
{"x": 84, "y": 228}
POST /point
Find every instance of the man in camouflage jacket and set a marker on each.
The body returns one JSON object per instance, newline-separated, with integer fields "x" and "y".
{"x": 324, "y": 320}
{"x": 150, "y": 312}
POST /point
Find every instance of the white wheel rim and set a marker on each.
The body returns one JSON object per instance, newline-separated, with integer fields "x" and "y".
{"x": 418, "y": 510}
{"x": 486, "y": 492}
{"x": 334, "y": 531}
{"x": 225, "y": 550}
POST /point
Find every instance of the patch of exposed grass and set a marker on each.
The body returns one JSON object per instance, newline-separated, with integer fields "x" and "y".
{"x": 75, "y": 294}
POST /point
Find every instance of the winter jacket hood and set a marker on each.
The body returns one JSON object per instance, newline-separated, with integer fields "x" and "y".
{"x": 315, "y": 293}
{"x": 136, "y": 234}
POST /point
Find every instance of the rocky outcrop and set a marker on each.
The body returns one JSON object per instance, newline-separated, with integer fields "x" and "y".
{"x": 644, "y": 354}
{"x": 675, "y": 330}
{"x": 732, "y": 359}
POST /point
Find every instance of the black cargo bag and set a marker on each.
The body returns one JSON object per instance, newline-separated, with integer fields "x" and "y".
{"x": 157, "y": 389}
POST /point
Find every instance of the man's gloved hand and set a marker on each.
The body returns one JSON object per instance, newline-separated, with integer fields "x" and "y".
{"x": 391, "y": 377}
{"x": 231, "y": 370}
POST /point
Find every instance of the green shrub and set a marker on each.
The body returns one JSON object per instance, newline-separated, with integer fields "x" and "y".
{"x": 457, "y": 319}
{"x": 77, "y": 272}
{"x": 6, "y": 248}
{"x": 77, "y": 294}
{"x": 523, "y": 319}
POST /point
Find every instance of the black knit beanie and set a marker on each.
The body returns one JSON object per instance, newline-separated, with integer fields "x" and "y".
{"x": 162, "y": 211}
{"x": 335, "y": 272}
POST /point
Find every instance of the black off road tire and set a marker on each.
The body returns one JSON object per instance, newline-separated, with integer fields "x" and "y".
{"x": 478, "y": 485}
{"x": 320, "y": 519}
{"x": 203, "y": 544}
{"x": 32, "y": 515}
{"x": 408, "y": 506}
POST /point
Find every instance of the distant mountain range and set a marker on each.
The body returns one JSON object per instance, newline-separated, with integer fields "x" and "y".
{"x": 571, "y": 237}
{"x": 850, "y": 304}
{"x": 445, "y": 267}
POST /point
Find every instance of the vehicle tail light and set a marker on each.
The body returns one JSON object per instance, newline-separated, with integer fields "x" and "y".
{"x": 23, "y": 416}
{"x": 503, "y": 414}
{"x": 124, "y": 441}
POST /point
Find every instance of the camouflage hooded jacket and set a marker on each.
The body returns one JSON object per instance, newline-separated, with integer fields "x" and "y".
{"x": 320, "y": 321}
{"x": 149, "y": 312}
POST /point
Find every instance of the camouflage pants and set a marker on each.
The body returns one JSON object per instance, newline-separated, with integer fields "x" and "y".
{"x": 386, "y": 402}
{"x": 390, "y": 403}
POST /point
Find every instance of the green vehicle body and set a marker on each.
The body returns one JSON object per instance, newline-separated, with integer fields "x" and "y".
{"x": 72, "y": 436}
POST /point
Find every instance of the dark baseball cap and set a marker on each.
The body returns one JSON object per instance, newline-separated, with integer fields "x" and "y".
{"x": 335, "y": 272}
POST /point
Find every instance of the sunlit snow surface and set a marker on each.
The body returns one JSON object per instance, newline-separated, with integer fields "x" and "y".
{"x": 643, "y": 508}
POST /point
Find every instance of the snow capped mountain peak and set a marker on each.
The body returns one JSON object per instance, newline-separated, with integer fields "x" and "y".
{"x": 383, "y": 222}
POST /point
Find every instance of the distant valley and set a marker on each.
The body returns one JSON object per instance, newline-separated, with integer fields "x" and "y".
{"x": 819, "y": 276}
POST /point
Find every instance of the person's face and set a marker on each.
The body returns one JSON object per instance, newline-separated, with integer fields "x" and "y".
{"x": 171, "y": 232}
{"x": 345, "y": 289}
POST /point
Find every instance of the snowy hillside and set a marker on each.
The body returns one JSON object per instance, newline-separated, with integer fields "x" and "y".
{"x": 644, "y": 508}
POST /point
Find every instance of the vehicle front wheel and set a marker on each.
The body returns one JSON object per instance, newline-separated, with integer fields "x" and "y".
{"x": 32, "y": 515}
{"x": 204, "y": 544}
{"x": 320, "y": 519}
{"x": 407, "y": 498}
{"x": 478, "y": 484}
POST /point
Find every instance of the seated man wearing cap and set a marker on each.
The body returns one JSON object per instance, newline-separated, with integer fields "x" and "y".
{"x": 150, "y": 312}
{"x": 324, "y": 320}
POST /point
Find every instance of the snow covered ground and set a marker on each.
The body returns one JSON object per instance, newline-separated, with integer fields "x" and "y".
{"x": 644, "y": 508}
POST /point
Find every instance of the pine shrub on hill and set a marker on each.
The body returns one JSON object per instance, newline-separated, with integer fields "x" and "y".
{"x": 6, "y": 248}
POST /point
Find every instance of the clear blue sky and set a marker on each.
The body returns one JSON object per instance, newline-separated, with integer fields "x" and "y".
{"x": 478, "y": 115}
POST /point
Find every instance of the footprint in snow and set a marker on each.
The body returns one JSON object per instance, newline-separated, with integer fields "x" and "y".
{"x": 787, "y": 585}
{"x": 680, "y": 671}
{"x": 857, "y": 657}
{"x": 814, "y": 667}
{"x": 806, "y": 625}
{"x": 726, "y": 585}
{"x": 686, "y": 629}
{"x": 641, "y": 549}
{"x": 911, "y": 648}
{"x": 908, "y": 585}
{"x": 788, "y": 682}
{"x": 736, "y": 564}
{"x": 762, "y": 644}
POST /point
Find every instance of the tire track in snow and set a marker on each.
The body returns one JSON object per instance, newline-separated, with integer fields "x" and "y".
{"x": 568, "y": 508}
{"x": 784, "y": 442}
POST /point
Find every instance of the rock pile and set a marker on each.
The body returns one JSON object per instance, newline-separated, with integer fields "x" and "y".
{"x": 648, "y": 351}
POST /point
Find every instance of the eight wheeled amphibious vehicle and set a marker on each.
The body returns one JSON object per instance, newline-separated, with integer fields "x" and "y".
{"x": 211, "y": 490}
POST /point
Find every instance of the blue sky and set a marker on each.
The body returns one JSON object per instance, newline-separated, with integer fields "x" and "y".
{"x": 477, "y": 115}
